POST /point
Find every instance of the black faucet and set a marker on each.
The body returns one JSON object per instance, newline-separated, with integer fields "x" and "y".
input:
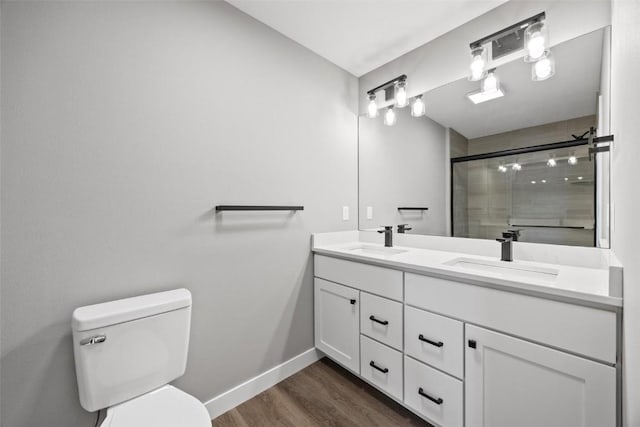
{"x": 506, "y": 249}
{"x": 403, "y": 227}
{"x": 388, "y": 235}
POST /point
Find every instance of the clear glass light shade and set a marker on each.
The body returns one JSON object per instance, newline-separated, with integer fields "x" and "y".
{"x": 478, "y": 64}
{"x": 516, "y": 166}
{"x": 401, "y": 95}
{"x": 543, "y": 69}
{"x": 573, "y": 160}
{"x": 372, "y": 107}
{"x": 390, "y": 117}
{"x": 536, "y": 42}
{"x": 491, "y": 83}
{"x": 502, "y": 168}
{"x": 418, "y": 108}
{"x": 551, "y": 162}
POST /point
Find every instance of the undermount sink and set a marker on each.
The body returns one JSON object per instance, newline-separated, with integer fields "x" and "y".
{"x": 510, "y": 270}
{"x": 375, "y": 250}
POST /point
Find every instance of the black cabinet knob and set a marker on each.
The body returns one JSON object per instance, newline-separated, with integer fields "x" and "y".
{"x": 352, "y": 301}
{"x": 472, "y": 343}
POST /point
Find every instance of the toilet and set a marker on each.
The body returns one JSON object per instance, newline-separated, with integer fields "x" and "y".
{"x": 126, "y": 353}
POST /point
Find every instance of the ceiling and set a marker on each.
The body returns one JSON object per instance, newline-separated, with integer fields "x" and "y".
{"x": 361, "y": 35}
{"x": 572, "y": 92}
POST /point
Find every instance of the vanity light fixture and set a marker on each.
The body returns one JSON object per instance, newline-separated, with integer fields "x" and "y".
{"x": 390, "y": 117}
{"x": 536, "y": 41}
{"x": 516, "y": 166}
{"x": 543, "y": 69}
{"x": 478, "y": 63}
{"x": 551, "y": 162}
{"x": 490, "y": 89}
{"x": 372, "y": 107}
{"x": 502, "y": 168}
{"x": 401, "y": 99}
{"x": 573, "y": 160}
{"x": 418, "y": 108}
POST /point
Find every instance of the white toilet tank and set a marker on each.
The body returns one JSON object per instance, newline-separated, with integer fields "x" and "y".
{"x": 128, "y": 347}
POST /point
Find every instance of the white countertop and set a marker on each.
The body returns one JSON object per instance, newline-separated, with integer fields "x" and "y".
{"x": 576, "y": 283}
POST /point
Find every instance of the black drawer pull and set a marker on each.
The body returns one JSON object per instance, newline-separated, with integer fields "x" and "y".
{"x": 436, "y": 400}
{"x": 352, "y": 301}
{"x": 427, "y": 340}
{"x": 373, "y": 365}
{"x": 472, "y": 343}
{"x": 382, "y": 322}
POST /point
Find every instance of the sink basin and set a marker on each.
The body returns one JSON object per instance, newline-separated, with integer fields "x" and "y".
{"x": 509, "y": 270}
{"x": 374, "y": 250}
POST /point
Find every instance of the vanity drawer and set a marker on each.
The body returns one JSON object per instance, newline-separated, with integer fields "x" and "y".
{"x": 381, "y": 366}
{"x": 435, "y": 340}
{"x": 435, "y": 395}
{"x": 381, "y": 319}
{"x": 375, "y": 280}
{"x": 578, "y": 329}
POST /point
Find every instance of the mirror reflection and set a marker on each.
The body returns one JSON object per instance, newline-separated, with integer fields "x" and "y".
{"x": 481, "y": 167}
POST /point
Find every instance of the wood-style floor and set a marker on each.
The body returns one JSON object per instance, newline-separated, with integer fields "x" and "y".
{"x": 322, "y": 394}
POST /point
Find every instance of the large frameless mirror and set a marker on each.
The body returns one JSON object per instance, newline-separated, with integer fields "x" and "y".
{"x": 520, "y": 161}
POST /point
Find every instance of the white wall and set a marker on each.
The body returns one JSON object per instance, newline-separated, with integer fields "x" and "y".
{"x": 403, "y": 165}
{"x": 123, "y": 124}
{"x": 625, "y": 239}
{"x": 446, "y": 59}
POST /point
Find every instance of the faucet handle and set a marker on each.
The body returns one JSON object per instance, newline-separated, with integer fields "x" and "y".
{"x": 387, "y": 228}
{"x": 403, "y": 227}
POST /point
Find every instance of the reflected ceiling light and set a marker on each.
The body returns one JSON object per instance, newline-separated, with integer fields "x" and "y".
{"x": 566, "y": 179}
{"x": 544, "y": 181}
{"x": 573, "y": 160}
{"x": 502, "y": 168}
{"x": 390, "y": 117}
{"x": 533, "y": 182}
{"x": 372, "y": 108}
{"x": 543, "y": 69}
{"x": 536, "y": 41}
{"x": 580, "y": 178}
{"x": 418, "y": 108}
{"x": 516, "y": 166}
{"x": 552, "y": 162}
{"x": 478, "y": 63}
{"x": 401, "y": 99}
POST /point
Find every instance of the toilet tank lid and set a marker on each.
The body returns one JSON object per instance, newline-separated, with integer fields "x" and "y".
{"x": 128, "y": 309}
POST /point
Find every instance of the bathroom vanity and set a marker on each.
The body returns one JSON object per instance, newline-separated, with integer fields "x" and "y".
{"x": 460, "y": 338}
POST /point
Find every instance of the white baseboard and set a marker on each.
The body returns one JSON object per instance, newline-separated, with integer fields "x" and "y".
{"x": 256, "y": 385}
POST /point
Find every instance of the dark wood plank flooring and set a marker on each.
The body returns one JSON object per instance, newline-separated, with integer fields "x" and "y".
{"x": 323, "y": 394}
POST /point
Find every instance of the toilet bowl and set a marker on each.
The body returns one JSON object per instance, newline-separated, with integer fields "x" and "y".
{"x": 164, "y": 407}
{"x": 127, "y": 351}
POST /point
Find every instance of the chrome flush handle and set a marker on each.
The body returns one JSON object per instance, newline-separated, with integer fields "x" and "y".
{"x": 97, "y": 339}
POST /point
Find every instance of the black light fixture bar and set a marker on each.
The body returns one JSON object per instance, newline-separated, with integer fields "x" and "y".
{"x": 491, "y": 37}
{"x": 221, "y": 208}
{"x": 401, "y": 78}
{"x": 409, "y": 208}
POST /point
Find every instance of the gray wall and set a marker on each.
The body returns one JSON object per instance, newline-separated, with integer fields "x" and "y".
{"x": 625, "y": 88}
{"x": 123, "y": 125}
{"x": 403, "y": 165}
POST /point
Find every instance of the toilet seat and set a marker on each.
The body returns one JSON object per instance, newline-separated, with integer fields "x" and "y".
{"x": 164, "y": 407}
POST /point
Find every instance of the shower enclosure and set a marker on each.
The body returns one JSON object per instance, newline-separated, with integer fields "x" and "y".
{"x": 547, "y": 192}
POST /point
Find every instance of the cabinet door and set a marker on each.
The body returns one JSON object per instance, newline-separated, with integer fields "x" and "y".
{"x": 510, "y": 382}
{"x": 337, "y": 323}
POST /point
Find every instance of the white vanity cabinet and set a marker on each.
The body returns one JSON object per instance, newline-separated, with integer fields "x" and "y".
{"x": 512, "y": 382}
{"x": 337, "y": 322}
{"x": 460, "y": 354}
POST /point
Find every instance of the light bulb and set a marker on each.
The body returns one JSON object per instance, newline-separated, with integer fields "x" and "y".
{"x": 543, "y": 69}
{"x": 401, "y": 94}
{"x": 533, "y": 182}
{"x": 390, "y": 117}
{"x": 372, "y": 108}
{"x": 490, "y": 83}
{"x": 502, "y": 168}
{"x": 478, "y": 62}
{"x": 418, "y": 108}
{"x": 544, "y": 181}
{"x": 580, "y": 178}
{"x": 573, "y": 160}
{"x": 566, "y": 179}
{"x": 536, "y": 41}
{"x": 551, "y": 162}
{"x": 516, "y": 166}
